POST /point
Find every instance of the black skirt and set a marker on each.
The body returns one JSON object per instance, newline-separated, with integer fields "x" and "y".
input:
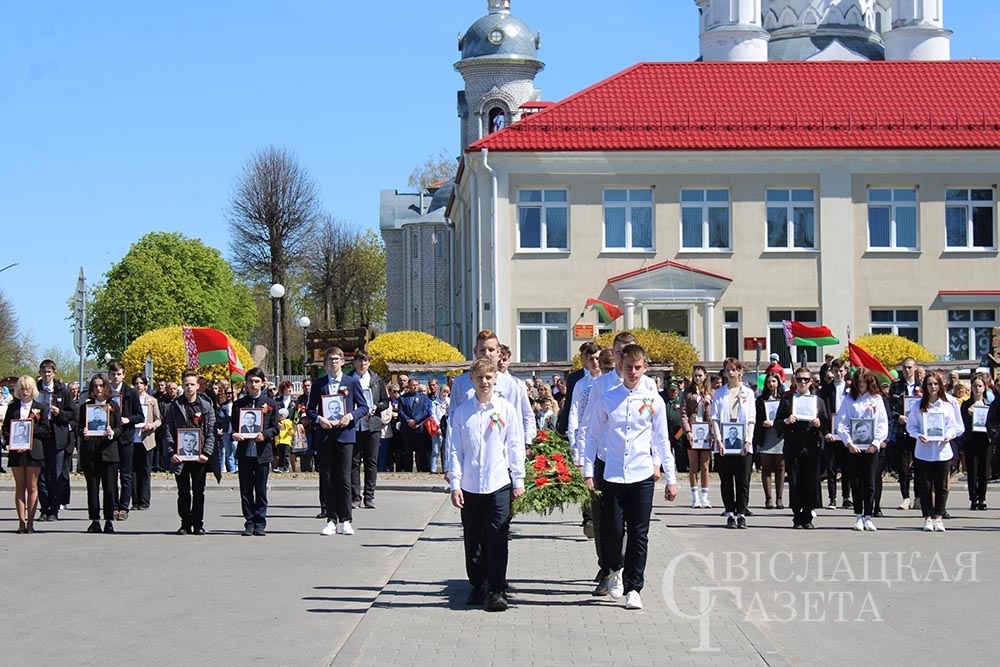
{"x": 23, "y": 460}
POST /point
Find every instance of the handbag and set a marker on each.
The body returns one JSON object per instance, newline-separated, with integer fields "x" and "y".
{"x": 432, "y": 426}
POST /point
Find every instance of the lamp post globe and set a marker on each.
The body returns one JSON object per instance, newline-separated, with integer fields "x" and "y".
{"x": 277, "y": 291}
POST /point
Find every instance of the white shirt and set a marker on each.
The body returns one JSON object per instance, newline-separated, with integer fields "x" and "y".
{"x": 485, "y": 446}
{"x": 602, "y": 385}
{"x": 632, "y": 426}
{"x": 366, "y": 383}
{"x": 577, "y": 408}
{"x": 746, "y": 411}
{"x": 863, "y": 407}
{"x": 934, "y": 450}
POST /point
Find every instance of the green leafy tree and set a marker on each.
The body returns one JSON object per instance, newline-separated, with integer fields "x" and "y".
{"x": 17, "y": 354}
{"x": 167, "y": 279}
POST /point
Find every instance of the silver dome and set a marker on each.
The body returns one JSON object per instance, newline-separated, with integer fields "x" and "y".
{"x": 498, "y": 35}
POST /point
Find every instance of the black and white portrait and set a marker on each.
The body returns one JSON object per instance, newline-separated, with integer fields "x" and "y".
{"x": 251, "y": 420}
{"x": 733, "y": 437}
{"x": 334, "y": 407}
{"x": 863, "y": 432}
{"x": 188, "y": 444}
{"x": 20, "y": 435}
{"x": 97, "y": 420}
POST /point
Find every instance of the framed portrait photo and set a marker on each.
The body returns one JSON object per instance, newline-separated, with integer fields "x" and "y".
{"x": 97, "y": 420}
{"x": 251, "y": 421}
{"x": 189, "y": 444}
{"x": 805, "y": 407}
{"x": 733, "y": 438}
{"x": 771, "y": 410}
{"x": 979, "y": 413}
{"x": 21, "y": 434}
{"x": 700, "y": 435}
{"x": 334, "y": 407}
{"x": 933, "y": 425}
{"x": 863, "y": 432}
{"x": 908, "y": 403}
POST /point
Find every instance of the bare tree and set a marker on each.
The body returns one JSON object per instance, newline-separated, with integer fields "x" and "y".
{"x": 437, "y": 168}
{"x": 272, "y": 212}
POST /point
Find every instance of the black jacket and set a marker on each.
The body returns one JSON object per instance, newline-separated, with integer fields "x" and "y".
{"x": 270, "y": 425}
{"x": 100, "y": 447}
{"x": 199, "y": 414}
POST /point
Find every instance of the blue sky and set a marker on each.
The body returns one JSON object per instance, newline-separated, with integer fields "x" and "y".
{"x": 119, "y": 118}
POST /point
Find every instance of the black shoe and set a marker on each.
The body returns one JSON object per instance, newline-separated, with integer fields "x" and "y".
{"x": 602, "y": 587}
{"x": 94, "y": 527}
{"x": 797, "y": 526}
{"x": 741, "y": 522}
{"x": 183, "y": 530}
{"x": 259, "y": 532}
{"x": 247, "y": 532}
{"x": 847, "y": 504}
{"x": 477, "y": 596}
{"x": 731, "y": 522}
{"x": 356, "y": 505}
{"x": 973, "y": 507}
{"x": 496, "y": 602}
{"x": 42, "y": 517}
{"x": 123, "y": 517}
{"x": 982, "y": 506}
{"x": 779, "y": 506}
{"x": 809, "y": 526}
{"x": 108, "y": 527}
{"x": 768, "y": 505}
{"x": 748, "y": 513}
{"x": 199, "y": 531}
{"x": 370, "y": 505}
{"x": 321, "y": 515}
{"x": 878, "y": 514}
{"x": 946, "y": 515}
{"x": 588, "y": 529}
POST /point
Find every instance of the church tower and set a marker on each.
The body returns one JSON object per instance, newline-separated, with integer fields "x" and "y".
{"x": 730, "y": 31}
{"x": 918, "y": 31}
{"x": 823, "y": 30}
{"x": 499, "y": 63}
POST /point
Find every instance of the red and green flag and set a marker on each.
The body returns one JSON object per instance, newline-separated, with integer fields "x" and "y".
{"x": 606, "y": 312}
{"x": 797, "y": 333}
{"x": 211, "y": 346}
{"x": 862, "y": 358}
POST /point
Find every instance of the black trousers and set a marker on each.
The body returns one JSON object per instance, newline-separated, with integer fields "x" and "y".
{"x": 837, "y": 461}
{"x": 67, "y": 468}
{"x": 978, "y": 452}
{"x": 51, "y": 480}
{"x": 627, "y": 507}
{"x": 486, "y": 527}
{"x": 253, "y": 492}
{"x": 879, "y": 471}
{"x": 734, "y": 481}
{"x": 125, "y": 475}
{"x": 802, "y": 469}
{"x": 335, "y": 478}
{"x": 142, "y": 470}
{"x": 932, "y": 474}
{"x": 596, "y": 510}
{"x": 100, "y": 474}
{"x": 365, "y": 453}
{"x": 191, "y": 495}
{"x": 863, "y": 469}
{"x": 904, "y": 457}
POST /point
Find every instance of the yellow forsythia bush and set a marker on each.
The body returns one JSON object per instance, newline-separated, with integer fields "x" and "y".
{"x": 170, "y": 359}
{"x": 409, "y": 347}
{"x": 661, "y": 348}
{"x": 891, "y": 350}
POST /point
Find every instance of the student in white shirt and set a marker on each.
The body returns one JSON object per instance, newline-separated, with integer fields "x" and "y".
{"x": 734, "y": 403}
{"x": 863, "y": 401}
{"x": 630, "y": 422}
{"x": 486, "y": 455}
{"x": 933, "y": 453}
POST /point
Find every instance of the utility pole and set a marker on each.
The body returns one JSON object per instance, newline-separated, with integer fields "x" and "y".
{"x": 80, "y": 320}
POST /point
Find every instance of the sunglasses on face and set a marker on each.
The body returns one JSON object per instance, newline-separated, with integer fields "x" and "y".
{"x": 803, "y": 379}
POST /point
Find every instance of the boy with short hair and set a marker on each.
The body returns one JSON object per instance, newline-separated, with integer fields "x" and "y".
{"x": 486, "y": 465}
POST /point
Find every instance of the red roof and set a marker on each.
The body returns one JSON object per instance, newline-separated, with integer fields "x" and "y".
{"x": 666, "y": 264}
{"x": 777, "y": 105}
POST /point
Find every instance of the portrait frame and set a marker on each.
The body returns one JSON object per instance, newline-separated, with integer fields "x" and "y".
{"x": 863, "y": 432}
{"x": 932, "y": 427}
{"x": 771, "y": 410}
{"x": 741, "y": 432}
{"x": 805, "y": 407}
{"x": 184, "y": 454}
{"x": 704, "y": 430}
{"x": 908, "y": 403}
{"x": 19, "y": 439}
{"x": 333, "y": 407}
{"x": 979, "y": 413}
{"x": 258, "y": 414}
{"x": 96, "y": 413}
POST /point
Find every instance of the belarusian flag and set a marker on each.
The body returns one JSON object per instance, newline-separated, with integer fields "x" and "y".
{"x": 211, "y": 346}
{"x": 606, "y": 312}
{"x": 862, "y": 358}
{"x": 797, "y": 333}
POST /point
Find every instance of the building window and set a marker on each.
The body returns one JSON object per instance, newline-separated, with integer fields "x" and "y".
{"x": 969, "y": 218}
{"x": 705, "y": 220}
{"x": 777, "y": 344}
{"x": 415, "y": 246}
{"x": 543, "y": 336}
{"x": 628, "y": 219}
{"x": 970, "y": 333}
{"x": 542, "y": 220}
{"x": 903, "y": 322}
{"x": 892, "y": 219}
{"x": 791, "y": 219}
{"x": 498, "y": 119}
{"x": 731, "y": 333}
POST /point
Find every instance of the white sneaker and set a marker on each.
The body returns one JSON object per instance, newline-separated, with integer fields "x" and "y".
{"x": 633, "y": 601}
{"x": 616, "y": 588}
{"x": 832, "y": 505}
{"x": 938, "y": 526}
{"x": 705, "y": 502}
{"x": 906, "y": 504}
{"x": 330, "y": 528}
{"x": 695, "y": 500}
{"x": 869, "y": 525}
{"x": 859, "y": 524}
{"x": 928, "y": 525}
{"x": 345, "y": 528}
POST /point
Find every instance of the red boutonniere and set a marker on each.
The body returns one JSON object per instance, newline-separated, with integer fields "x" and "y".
{"x": 265, "y": 408}
{"x": 197, "y": 418}
{"x": 344, "y": 391}
{"x": 36, "y": 414}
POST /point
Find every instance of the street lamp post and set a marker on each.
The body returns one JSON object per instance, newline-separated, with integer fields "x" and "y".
{"x": 277, "y": 291}
{"x": 304, "y": 322}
